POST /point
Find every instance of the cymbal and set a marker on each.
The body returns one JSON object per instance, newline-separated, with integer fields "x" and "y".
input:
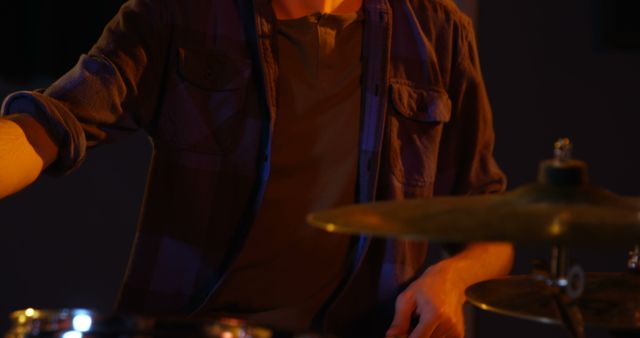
{"x": 610, "y": 300}
{"x": 534, "y": 213}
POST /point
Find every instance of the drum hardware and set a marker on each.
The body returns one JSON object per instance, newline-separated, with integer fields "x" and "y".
{"x": 566, "y": 285}
{"x": 83, "y": 323}
{"x": 561, "y": 209}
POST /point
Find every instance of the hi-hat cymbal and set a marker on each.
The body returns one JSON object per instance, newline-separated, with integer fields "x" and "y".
{"x": 610, "y": 300}
{"x": 535, "y": 213}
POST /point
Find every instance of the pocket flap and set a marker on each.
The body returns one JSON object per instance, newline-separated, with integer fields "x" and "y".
{"x": 212, "y": 70}
{"x": 421, "y": 104}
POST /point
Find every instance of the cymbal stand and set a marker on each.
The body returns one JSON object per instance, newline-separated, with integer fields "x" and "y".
{"x": 567, "y": 284}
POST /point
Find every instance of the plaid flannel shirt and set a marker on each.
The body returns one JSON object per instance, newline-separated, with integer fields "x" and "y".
{"x": 199, "y": 76}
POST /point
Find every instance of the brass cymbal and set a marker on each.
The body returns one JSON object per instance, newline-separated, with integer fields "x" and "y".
{"x": 610, "y": 300}
{"x": 534, "y": 213}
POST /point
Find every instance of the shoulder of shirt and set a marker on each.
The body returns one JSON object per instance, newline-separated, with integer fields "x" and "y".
{"x": 439, "y": 12}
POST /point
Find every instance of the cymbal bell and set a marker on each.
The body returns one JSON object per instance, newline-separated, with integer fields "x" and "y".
{"x": 610, "y": 300}
{"x": 535, "y": 213}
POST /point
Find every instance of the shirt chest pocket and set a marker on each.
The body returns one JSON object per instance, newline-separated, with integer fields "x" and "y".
{"x": 205, "y": 104}
{"x": 415, "y": 125}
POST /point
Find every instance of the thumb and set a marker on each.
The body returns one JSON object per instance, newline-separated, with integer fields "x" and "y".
{"x": 405, "y": 306}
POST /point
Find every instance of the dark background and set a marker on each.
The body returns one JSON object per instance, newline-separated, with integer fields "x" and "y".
{"x": 553, "y": 69}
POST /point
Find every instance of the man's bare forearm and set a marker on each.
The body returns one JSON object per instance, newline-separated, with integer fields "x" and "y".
{"x": 480, "y": 261}
{"x": 438, "y": 295}
{"x": 25, "y": 150}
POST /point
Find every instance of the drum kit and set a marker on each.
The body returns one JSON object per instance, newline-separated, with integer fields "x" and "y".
{"x": 562, "y": 210}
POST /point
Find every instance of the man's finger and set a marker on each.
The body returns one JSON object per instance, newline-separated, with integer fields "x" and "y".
{"x": 445, "y": 329}
{"x": 425, "y": 327}
{"x": 405, "y": 305}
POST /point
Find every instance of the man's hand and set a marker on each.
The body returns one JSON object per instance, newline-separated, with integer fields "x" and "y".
{"x": 437, "y": 296}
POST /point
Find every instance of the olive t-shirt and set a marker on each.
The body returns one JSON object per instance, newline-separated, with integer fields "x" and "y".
{"x": 287, "y": 269}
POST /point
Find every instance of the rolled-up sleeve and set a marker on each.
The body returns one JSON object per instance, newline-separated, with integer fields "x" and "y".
{"x": 112, "y": 91}
{"x": 468, "y": 140}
